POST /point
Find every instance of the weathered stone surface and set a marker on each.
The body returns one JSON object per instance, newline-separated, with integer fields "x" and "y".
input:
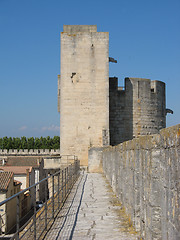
{"x": 83, "y": 91}
{"x": 14, "y": 152}
{"x": 144, "y": 173}
{"x": 92, "y": 212}
{"x": 94, "y": 110}
{"x": 95, "y": 160}
{"x": 139, "y": 109}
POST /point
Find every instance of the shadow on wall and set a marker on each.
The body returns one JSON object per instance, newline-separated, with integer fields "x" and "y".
{"x": 138, "y": 110}
{"x": 120, "y": 111}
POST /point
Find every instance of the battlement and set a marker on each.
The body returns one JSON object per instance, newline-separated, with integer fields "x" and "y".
{"x": 94, "y": 110}
{"x": 113, "y": 83}
{"x": 137, "y": 79}
{"x": 149, "y": 85}
{"x": 156, "y": 85}
{"x": 72, "y": 29}
{"x": 29, "y": 152}
{"x": 139, "y": 109}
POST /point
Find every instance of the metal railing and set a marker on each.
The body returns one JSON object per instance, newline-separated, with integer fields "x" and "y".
{"x": 30, "y": 213}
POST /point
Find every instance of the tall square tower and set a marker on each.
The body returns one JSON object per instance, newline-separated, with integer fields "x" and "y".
{"x": 83, "y": 90}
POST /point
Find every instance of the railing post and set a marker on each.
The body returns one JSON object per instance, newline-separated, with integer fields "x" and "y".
{"x": 53, "y": 197}
{"x": 75, "y": 169}
{"x": 65, "y": 180}
{"x": 46, "y": 182}
{"x": 74, "y": 172}
{"x": 72, "y": 175}
{"x": 62, "y": 186}
{"x": 18, "y": 215}
{"x": 68, "y": 180}
{"x": 34, "y": 216}
{"x": 58, "y": 189}
{"x": 78, "y": 168}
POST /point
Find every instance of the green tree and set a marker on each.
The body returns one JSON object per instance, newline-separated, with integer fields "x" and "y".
{"x": 43, "y": 142}
{"x": 49, "y": 142}
{"x": 30, "y": 143}
{"x": 1, "y": 143}
{"x": 5, "y": 142}
{"x": 24, "y": 142}
{"x": 10, "y": 143}
{"x": 56, "y": 142}
{"x": 16, "y": 143}
{"x": 37, "y": 143}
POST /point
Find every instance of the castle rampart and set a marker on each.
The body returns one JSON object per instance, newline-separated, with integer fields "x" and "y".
{"x": 94, "y": 111}
{"x": 139, "y": 109}
{"x": 144, "y": 173}
{"x": 29, "y": 152}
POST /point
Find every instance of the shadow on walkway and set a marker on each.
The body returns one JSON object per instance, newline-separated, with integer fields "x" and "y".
{"x": 65, "y": 222}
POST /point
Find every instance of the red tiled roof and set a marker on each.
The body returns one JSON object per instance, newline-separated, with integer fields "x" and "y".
{"x": 16, "y": 169}
{"x": 5, "y": 178}
{"x": 23, "y": 161}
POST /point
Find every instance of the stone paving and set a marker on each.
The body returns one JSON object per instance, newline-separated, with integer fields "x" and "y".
{"x": 92, "y": 212}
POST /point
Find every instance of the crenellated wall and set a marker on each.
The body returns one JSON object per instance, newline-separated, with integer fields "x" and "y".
{"x": 145, "y": 173}
{"x": 29, "y": 152}
{"x": 94, "y": 111}
{"x": 138, "y": 109}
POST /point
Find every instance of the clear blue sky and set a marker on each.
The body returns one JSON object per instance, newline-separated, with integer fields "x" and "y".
{"x": 144, "y": 38}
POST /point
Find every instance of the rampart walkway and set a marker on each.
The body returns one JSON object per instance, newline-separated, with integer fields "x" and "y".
{"x": 91, "y": 212}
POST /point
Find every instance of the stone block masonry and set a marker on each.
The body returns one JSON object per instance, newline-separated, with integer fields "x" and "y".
{"x": 39, "y": 152}
{"x": 92, "y": 212}
{"x": 145, "y": 174}
{"x": 138, "y": 109}
{"x": 83, "y": 90}
{"x": 94, "y": 111}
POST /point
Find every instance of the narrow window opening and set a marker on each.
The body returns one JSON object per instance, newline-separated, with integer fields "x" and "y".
{"x": 152, "y": 90}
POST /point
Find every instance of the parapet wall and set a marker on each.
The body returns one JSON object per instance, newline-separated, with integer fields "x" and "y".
{"x": 139, "y": 109}
{"x": 144, "y": 173}
{"x": 4, "y": 152}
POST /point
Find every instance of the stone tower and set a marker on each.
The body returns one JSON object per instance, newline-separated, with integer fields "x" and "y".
{"x": 137, "y": 109}
{"x": 94, "y": 111}
{"x": 83, "y": 90}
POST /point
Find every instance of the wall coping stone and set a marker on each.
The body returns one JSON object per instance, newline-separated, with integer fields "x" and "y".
{"x": 14, "y": 152}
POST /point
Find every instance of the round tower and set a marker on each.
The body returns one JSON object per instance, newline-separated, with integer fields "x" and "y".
{"x": 147, "y": 106}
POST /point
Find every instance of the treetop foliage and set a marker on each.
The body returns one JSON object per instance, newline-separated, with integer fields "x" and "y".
{"x": 30, "y": 143}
